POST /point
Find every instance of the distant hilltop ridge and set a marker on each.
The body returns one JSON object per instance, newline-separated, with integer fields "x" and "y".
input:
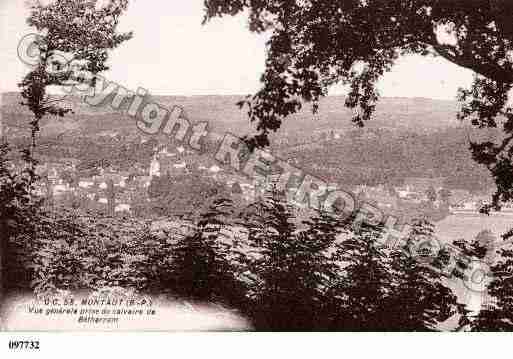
{"x": 415, "y": 114}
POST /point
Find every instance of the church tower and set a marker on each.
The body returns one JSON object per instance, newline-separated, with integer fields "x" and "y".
{"x": 155, "y": 166}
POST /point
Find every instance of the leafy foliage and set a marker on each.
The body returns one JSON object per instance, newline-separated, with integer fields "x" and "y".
{"x": 290, "y": 269}
{"x": 421, "y": 298}
{"x": 61, "y": 44}
{"x": 184, "y": 194}
{"x": 331, "y": 276}
{"x": 203, "y": 266}
{"x": 18, "y": 210}
{"x": 315, "y": 44}
{"x": 495, "y": 315}
{"x": 321, "y": 274}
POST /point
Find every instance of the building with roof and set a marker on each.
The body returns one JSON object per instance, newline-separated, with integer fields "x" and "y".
{"x": 422, "y": 184}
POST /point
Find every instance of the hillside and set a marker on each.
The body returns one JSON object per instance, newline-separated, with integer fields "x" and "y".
{"x": 413, "y": 114}
{"x": 406, "y": 138}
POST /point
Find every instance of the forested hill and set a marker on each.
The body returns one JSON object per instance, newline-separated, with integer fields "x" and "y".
{"x": 415, "y": 114}
{"x": 407, "y": 138}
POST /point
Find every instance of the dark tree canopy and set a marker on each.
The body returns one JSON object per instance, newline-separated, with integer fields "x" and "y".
{"x": 315, "y": 44}
{"x": 73, "y": 40}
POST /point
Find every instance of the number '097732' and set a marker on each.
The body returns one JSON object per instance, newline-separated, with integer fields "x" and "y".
{"x": 23, "y": 345}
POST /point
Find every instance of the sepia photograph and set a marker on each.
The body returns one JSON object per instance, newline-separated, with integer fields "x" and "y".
{"x": 256, "y": 166}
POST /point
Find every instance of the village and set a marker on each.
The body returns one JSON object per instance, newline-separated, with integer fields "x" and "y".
{"x": 117, "y": 192}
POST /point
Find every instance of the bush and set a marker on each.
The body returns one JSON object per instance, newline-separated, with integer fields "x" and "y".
{"x": 318, "y": 275}
{"x": 72, "y": 251}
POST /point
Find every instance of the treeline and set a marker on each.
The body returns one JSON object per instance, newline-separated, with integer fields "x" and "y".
{"x": 383, "y": 156}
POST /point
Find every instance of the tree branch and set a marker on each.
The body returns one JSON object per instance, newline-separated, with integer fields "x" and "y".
{"x": 487, "y": 69}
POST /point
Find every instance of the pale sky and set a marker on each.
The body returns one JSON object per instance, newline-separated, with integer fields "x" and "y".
{"x": 173, "y": 54}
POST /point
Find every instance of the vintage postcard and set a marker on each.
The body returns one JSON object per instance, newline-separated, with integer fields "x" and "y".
{"x": 267, "y": 166}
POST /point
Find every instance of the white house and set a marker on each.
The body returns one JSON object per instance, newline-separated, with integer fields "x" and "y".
{"x": 215, "y": 169}
{"x": 403, "y": 193}
{"x": 59, "y": 188}
{"x": 123, "y": 207}
{"x": 85, "y": 184}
